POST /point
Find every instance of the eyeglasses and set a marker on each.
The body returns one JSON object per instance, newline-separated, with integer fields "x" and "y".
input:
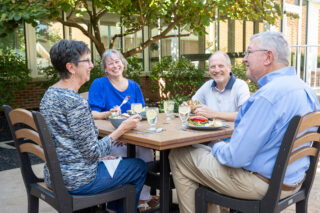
{"x": 252, "y": 51}
{"x": 86, "y": 60}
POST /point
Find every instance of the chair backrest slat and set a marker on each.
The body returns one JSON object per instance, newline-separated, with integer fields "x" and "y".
{"x": 303, "y": 152}
{"x": 22, "y": 116}
{"x": 53, "y": 164}
{"x": 309, "y": 120}
{"x": 306, "y": 138}
{"x": 34, "y": 149}
{"x": 28, "y": 134}
{"x": 294, "y": 147}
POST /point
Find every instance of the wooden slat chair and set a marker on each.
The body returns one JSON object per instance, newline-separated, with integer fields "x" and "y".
{"x": 34, "y": 136}
{"x": 292, "y": 140}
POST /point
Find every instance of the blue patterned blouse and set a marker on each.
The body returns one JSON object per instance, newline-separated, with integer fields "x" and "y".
{"x": 75, "y": 136}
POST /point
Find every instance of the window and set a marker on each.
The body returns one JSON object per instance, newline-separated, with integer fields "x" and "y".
{"x": 47, "y": 34}
{"x": 14, "y": 41}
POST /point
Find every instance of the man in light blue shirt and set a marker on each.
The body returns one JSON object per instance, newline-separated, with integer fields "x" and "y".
{"x": 236, "y": 168}
{"x": 222, "y": 96}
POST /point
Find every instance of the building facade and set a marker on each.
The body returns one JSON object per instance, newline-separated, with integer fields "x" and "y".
{"x": 229, "y": 36}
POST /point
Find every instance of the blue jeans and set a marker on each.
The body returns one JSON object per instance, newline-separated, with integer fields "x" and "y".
{"x": 130, "y": 170}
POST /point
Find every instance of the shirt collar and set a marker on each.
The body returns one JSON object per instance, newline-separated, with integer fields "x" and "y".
{"x": 278, "y": 73}
{"x": 229, "y": 84}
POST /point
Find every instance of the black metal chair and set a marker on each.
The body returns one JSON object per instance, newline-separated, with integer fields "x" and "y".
{"x": 32, "y": 135}
{"x": 271, "y": 202}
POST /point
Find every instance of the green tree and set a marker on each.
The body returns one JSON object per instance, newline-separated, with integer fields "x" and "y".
{"x": 14, "y": 75}
{"x": 190, "y": 15}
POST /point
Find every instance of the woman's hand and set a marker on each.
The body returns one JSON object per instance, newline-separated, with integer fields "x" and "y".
{"x": 131, "y": 123}
{"x": 116, "y": 110}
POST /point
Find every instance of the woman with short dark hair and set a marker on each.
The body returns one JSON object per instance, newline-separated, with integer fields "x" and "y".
{"x": 75, "y": 135}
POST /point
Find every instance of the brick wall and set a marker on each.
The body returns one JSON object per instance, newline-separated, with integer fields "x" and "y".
{"x": 29, "y": 98}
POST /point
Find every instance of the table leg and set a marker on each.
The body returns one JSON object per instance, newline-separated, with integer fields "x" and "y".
{"x": 131, "y": 150}
{"x": 165, "y": 196}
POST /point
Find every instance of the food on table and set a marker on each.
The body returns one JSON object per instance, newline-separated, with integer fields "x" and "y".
{"x": 126, "y": 115}
{"x": 198, "y": 120}
{"x": 119, "y": 116}
{"x": 216, "y": 123}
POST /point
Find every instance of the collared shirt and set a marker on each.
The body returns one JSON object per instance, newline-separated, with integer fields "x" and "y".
{"x": 229, "y": 99}
{"x": 262, "y": 122}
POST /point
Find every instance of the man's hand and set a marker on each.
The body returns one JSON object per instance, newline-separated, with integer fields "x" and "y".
{"x": 204, "y": 111}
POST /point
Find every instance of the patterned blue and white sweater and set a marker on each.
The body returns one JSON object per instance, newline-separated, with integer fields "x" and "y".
{"x": 75, "y": 137}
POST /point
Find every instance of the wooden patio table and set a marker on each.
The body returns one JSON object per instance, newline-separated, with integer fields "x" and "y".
{"x": 171, "y": 137}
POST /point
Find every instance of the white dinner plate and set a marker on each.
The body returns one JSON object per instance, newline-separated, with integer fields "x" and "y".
{"x": 223, "y": 124}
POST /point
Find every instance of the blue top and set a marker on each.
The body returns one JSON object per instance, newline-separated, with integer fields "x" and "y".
{"x": 103, "y": 96}
{"x": 74, "y": 135}
{"x": 262, "y": 122}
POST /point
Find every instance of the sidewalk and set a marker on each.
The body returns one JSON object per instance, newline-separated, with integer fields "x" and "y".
{"x": 13, "y": 197}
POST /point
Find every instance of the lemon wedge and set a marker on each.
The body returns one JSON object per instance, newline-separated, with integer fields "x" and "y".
{"x": 151, "y": 114}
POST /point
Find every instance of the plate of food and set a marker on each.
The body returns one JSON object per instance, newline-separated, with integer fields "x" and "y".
{"x": 203, "y": 123}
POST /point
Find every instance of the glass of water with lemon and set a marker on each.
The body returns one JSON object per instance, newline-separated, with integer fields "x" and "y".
{"x": 168, "y": 107}
{"x": 136, "y": 108}
{"x": 184, "y": 113}
{"x": 152, "y": 114}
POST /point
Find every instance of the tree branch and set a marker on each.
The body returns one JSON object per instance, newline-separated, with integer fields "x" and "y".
{"x": 141, "y": 13}
{"x": 78, "y": 26}
{"x": 156, "y": 38}
{"x": 132, "y": 31}
{"x": 101, "y": 13}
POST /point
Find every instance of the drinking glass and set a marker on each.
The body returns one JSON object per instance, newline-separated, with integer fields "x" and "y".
{"x": 168, "y": 107}
{"x": 136, "y": 108}
{"x": 184, "y": 112}
{"x": 152, "y": 117}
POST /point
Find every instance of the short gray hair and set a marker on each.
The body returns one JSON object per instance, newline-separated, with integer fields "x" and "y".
{"x": 228, "y": 61}
{"x": 275, "y": 42}
{"x": 108, "y": 54}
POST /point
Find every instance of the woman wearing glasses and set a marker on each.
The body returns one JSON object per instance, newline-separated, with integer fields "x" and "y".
{"x": 75, "y": 135}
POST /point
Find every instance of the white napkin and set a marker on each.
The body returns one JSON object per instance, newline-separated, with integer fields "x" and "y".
{"x": 112, "y": 165}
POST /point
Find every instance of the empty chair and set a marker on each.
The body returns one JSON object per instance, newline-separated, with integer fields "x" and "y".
{"x": 32, "y": 135}
{"x": 290, "y": 151}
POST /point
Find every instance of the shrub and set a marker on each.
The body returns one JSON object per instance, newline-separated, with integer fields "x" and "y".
{"x": 239, "y": 70}
{"x": 14, "y": 75}
{"x": 176, "y": 80}
{"x": 135, "y": 69}
{"x": 52, "y": 76}
{"x": 180, "y": 78}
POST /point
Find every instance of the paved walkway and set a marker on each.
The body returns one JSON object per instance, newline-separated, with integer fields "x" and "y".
{"x": 13, "y": 196}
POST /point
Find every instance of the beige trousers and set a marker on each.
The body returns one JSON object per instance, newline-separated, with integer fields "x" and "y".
{"x": 191, "y": 166}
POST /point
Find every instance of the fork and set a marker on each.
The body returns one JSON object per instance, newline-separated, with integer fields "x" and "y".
{"x": 125, "y": 100}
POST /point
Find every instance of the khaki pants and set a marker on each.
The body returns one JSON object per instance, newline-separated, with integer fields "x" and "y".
{"x": 191, "y": 166}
